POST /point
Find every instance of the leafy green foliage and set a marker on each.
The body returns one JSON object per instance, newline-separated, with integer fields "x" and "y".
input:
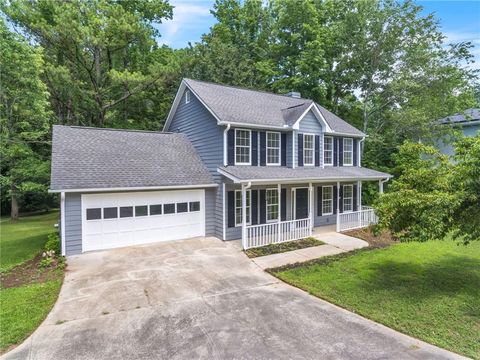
{"x": 433, "y": 196}
{"x": 53, "y": 243}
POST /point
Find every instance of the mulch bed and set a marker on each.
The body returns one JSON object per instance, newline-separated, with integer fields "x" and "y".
{"x": 283, "y": 247}
{"x": 383, "y": 239}
{"x": 30, "y": 273}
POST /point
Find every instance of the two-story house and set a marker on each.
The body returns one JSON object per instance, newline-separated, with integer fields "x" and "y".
{"x": 231, "y": 162}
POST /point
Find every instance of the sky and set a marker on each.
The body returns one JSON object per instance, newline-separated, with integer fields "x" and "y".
{"x": 459, "y": 21}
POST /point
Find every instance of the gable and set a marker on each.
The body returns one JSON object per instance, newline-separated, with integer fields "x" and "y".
{"x": 310, "y": 124}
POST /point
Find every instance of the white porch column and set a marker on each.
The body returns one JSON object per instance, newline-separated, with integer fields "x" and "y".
{"x": 359, "y": 195}
{"x": 279, "y": 219}
{"x": 310, "y": 205}
{"x": 62, "y": 223}
{"x": 244, "y": 215}
{"x": 338, "y": 206}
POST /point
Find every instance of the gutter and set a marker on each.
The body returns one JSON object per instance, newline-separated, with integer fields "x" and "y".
{"x": 140, "y": 188}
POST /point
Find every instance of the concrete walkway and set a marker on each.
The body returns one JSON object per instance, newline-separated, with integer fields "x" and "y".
{"x": 335, "y": 243}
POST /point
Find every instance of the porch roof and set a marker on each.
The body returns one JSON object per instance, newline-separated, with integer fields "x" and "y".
{"x": 281, "y": 174}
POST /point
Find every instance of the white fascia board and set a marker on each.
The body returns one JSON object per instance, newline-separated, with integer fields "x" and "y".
{"x": 318, "y": 115}
{"x": 139, "y": 188}
{"x": 308, "y": 180}
{"x": 255, "y": 126}
{"x": 228, "y": 175}
{"x": 333, "y": 133}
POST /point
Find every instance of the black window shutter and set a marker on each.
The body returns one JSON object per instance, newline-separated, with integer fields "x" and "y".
{"x": 263, "y": 207}
{"x": 231, "y": 208}
{"x": 355, "y": 197}
{"x": 340, "y": 152}
{"x": 283, "y": 200}
{"x": 231, "y": 147}
{"x": 341, "y": 199}
{"x": 263, "y": 148}
{"x": 335, "y": 151}
{"x": 334, "y": 199}
{"x": 319, "y": 201}
{"x": 254, "y": 195}
{"x": 254, "y": 148}
{"x": 355, "y": 152}
{"x": 317, "y": 150}
{"x": 284, "y": 149}
{"x": 300, "y": 149}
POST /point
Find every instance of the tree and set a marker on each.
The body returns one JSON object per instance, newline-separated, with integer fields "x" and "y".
{"x": 98, "y": 55}
{"x": 24, "y": 119}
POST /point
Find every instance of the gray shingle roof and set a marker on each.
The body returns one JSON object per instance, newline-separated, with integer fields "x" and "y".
{"x": 260, "y": 173}
{"x": 239, "y": 105}
{"x": 468, "y": 115}
{"x": 87, "y": 158}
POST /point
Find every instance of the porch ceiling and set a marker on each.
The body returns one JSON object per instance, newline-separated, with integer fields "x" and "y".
{"x": 280, "y": 174}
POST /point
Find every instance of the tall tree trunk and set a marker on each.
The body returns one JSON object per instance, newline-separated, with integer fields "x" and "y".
{"x": 14, "y": 206}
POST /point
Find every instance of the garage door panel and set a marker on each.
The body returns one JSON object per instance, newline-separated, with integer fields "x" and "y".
{"x": 132, "y": 230}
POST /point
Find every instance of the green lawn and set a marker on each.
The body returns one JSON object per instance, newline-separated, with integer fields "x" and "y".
{"x": 430, "y": 291}
{"x": 22, "y": 239}
{"x": 22, "y": 309}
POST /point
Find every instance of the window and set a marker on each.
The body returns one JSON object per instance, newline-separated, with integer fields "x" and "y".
{"x": 195, "y": 206}
{"x": 156, "y": 209}
{"x": 94, "y": 214}
{"x": 182, "y": 207}
{"x": 169, "y": 208}
{"x": 272, "y": 204}
{"x": 273, "y": 148}
{"x": 110, "y": 213}
{"x": 308, "y": 149}
{"x": 187, "y": 96}
{"x": 328, "y": 150}
{"x": 347, "y": 151}
{"x": 242, "y": 147}
{"x": 238, "y": 207}
{"x": 126, "y": 211}
{"x": 347, "y": 198}
{"x": 142, "y": 210}
{"x": 327, "y": 200}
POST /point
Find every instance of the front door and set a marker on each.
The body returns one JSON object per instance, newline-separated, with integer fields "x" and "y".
{"x": 301, "y": 203}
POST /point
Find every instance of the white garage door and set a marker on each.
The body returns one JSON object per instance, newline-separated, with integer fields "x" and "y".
{"x": 123, "y": 219}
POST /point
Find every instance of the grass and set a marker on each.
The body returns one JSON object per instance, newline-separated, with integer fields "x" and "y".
{"x": 427, "y": 290}
{"x": 22, "y": 239}
{"x": 283, "y": 247}
{"x": 23, "y": 308}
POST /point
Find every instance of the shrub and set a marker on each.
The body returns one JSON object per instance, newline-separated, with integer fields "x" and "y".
{"x": 53, "y": 243}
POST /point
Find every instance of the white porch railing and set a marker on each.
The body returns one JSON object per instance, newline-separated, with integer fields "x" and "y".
{"x": 277, "y": 232}
{"x": 356, "y": 219}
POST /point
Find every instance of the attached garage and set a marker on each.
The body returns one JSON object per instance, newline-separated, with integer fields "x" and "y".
{"x": 123, "y": 219}
{"x": 121, "y": 188}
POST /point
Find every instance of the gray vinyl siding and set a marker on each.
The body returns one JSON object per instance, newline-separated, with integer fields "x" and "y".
{"x": 201, "y": 128}
{"x": 311, "y": 125}
{"x": 210, "y": 200}
{"x": 289, "y": 149}
{"x": 73, "y": 223}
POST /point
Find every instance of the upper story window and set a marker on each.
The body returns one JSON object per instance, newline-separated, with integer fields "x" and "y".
{"x": 272, "y": 204}
{"x": 328, "y": 150}
{"x": 308, "y": 149}
{"x": 347, "y": 151}
{"x": 273, "y": 148}
{"x": 238, "y": 207}
{"x": 187, "y": 96}
{"x": 242, "y": 147}
{"x": 347, "y": 198}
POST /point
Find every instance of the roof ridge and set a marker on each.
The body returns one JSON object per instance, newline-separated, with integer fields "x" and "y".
{"x": 247, "y": 89}
{"x": 116, "y": 129}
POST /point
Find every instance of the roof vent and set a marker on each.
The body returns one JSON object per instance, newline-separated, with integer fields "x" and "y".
{"x": 294, "y": 94}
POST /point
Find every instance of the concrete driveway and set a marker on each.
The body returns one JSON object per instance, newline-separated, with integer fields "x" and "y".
{"x": 200, "y": 298}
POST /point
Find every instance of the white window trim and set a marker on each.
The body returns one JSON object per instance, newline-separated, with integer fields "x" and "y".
{"x": 313, "y": 150}
{"x": 343, "y": 198}
{"x": 351, "y": 140}
{"x": 267, "y": 205}
{"x": 331, "y": 200}
{"x": 332, "y": 150}
{"x": 188, "y": 96}
{"x": 279, "y": 148}
{"x": 248, "y": 206}
{"x": 249, "y": 148}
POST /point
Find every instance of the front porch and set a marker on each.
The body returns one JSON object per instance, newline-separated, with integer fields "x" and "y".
{"x": 271, "y": 214}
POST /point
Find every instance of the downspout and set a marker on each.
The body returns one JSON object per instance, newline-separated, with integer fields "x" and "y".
{"x": 380, "y": 185}
{"x": 360, "y": 151}
{"x": 225, "y": 145}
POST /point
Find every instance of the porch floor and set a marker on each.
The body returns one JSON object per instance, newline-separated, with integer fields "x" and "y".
{"x": 335, "y": 243}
